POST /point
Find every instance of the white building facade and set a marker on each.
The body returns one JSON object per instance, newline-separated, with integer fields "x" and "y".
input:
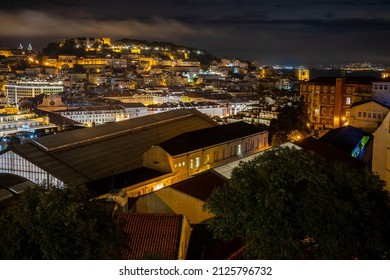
{"x": 16, "y": 90}
{"x": 381, "y": 92}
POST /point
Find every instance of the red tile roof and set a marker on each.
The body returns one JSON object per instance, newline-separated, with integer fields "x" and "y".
{"x": 152, "y": 235}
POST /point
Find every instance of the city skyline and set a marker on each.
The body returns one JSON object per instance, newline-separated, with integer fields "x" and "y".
{"x": 281, "y": 32}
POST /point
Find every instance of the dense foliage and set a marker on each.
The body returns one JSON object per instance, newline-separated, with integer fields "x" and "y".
{"x": 291, "y": 120}
{"x": 292, "y": 204}
{"x": 59, "y": 223}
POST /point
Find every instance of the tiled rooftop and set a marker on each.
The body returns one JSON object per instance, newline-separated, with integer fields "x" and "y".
{"x": 152, "y": 235}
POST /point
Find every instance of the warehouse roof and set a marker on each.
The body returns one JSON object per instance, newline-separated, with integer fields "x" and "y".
{"x": 85, "y": 155}
{"x": 202, "y": 138}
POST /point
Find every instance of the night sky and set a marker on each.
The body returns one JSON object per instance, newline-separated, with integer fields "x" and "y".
{"x": 271, "y": 32}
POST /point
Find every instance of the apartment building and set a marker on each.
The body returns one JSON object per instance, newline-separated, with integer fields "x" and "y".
{"x": 91, "y": 116}
{"x": 17, "y": 89}
{"x": 327, "y": 100}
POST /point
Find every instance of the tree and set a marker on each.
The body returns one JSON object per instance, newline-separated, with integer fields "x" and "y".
{"x": 292, "y": 204}
{"x": 291, "y": 118}
{"x": 59, "y": 223}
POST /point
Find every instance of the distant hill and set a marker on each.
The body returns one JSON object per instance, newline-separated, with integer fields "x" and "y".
{"x": 163, "y": 49}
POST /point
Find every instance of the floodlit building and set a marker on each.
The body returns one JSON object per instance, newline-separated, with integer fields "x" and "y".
{"x": 303, "y": 74}
{"x": 16, "y": 90}
{"x": 91, "y": 116}
{"x": 327, "y": 100}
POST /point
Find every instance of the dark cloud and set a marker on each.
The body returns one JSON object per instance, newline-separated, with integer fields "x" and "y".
{"x": 273, "y": 31}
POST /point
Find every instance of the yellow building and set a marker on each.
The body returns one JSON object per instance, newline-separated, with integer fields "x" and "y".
{"x": 381, "y": 151}
{"x": 194, "y": 152}
{"x": 385, "y": 74}
{"x": 106, "y": 41}
{"x": 303, "y": 74}
{"x": 186, "y": 197}
{"x": 6, "y": 52}
{"x": 367, "y": 115}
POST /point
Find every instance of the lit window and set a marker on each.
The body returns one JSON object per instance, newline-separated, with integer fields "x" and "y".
{"x": 207, "y": 158}
{"x": 348, "y": 101}
{"x": 184, "y": 163}
{"x": 175, "y": 165}
{"x": 191, "y": 163}
{"x": 197, "y": 162}
{"x": 325, "y": 89}
{"x": 179, "y": 164}
{"x": 239, "y": 149}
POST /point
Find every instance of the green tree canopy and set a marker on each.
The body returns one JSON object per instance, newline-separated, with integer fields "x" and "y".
{"x": 291, "y": 118}
{"x": 59, "y": 223}
{"x": 292, "y": 204}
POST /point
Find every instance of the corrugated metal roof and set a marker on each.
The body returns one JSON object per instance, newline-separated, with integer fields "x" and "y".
{"x": 226, "y": 169}
{"x": 193, "y": 140}
{"x": 85, "y": 155}
{"x": 107, "y": 131}
{"x": 152, "y": 235}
